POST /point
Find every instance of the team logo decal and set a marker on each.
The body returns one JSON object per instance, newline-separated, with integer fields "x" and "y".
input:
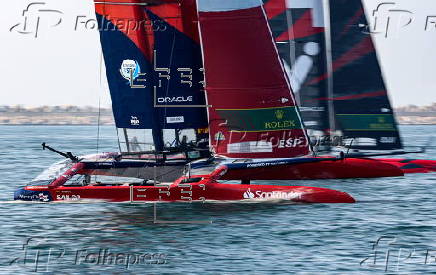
{"x": 279, "y": 114}
{"x": 276, "y": 195}
{"x": 248, "y": 194}
{"x": 130, "y": 69}
{"x": 43, "y": 197}
{"x": 134, "y": 121}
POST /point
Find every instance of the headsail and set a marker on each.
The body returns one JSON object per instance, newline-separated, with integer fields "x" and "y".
{"x": 253, "y": 113}
{"x": 154, "y": 69}
{"x": 361, "y": 103}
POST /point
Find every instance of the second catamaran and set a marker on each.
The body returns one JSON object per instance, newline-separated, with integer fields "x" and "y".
{"x": 335, "y": 70}
{"x": 255, "y": 123}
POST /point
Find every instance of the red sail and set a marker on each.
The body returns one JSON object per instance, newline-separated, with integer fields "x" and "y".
{"x": 253, "y": 112}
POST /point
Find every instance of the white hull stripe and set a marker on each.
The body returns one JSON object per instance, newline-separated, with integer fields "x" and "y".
{"x": 226, "y": 5}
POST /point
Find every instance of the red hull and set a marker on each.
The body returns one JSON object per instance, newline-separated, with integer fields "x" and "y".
{"x": 343, "y": 169}
{"x": 411, "y": 166}
{"x": 205, "y": 190}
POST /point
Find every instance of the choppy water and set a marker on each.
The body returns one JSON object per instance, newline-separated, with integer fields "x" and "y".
{"x": 235, "y": 238}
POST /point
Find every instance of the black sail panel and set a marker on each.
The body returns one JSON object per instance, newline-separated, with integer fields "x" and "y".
{"x": 363, "y": 111}
{"x": 298, "y": 29}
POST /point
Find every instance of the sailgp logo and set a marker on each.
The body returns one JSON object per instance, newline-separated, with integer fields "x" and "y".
{"x": 130, "y": 69}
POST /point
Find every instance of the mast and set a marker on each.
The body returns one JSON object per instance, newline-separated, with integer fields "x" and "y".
{"x": 329, "y": 61}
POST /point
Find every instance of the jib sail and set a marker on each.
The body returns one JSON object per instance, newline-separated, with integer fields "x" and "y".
{"x": 154, "y": 69}
{"x": 253, "y": 113}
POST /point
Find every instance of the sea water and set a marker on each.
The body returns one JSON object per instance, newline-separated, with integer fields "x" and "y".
{"x": 390, "y": 229}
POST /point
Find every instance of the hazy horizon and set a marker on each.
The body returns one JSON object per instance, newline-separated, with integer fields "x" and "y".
{"x": 110, "y": 106}
{"x": 62, "y": 65}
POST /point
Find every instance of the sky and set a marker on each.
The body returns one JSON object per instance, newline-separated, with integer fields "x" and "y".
{"x": 63, "y": 65}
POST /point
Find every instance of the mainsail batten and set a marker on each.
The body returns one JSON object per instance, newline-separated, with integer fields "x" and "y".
{"x": 253, "y": 113}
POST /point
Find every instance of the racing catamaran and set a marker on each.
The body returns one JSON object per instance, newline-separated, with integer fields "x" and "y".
{"x": 162, "y": 126}
{"x": 252, "y": 131}
{"x": 338, "y": 81}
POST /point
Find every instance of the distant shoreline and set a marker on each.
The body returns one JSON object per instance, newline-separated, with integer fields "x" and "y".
{"x": 93, "y": 116}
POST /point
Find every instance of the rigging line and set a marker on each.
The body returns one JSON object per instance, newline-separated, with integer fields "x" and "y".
{"x": 170, "y": 66}
{"x": 99, "y": 102}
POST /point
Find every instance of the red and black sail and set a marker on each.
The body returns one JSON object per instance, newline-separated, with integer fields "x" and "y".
{"x": 361, "y": 102}
{"x": 298, "y": 29}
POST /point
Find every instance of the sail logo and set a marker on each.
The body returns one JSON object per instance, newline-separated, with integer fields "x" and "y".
{"x": 292, "y": 142}
{"x": 176, "y": 119}
{"x": 261, "y": 119}
{"x": 177, "y": 99}
{"x": 130, "y": 69}
{"x": 279, "y": 125}
{"x": 134, "y": 121}
{"x": 279, "y": 114}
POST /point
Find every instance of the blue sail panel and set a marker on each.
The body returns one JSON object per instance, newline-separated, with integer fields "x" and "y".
{"x": 153, "y": 66}
{"x": 132, "y": 107}
{"x": 178, "y": 84}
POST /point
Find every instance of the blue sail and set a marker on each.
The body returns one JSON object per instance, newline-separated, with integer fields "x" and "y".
{"x": 154, "y": 72}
